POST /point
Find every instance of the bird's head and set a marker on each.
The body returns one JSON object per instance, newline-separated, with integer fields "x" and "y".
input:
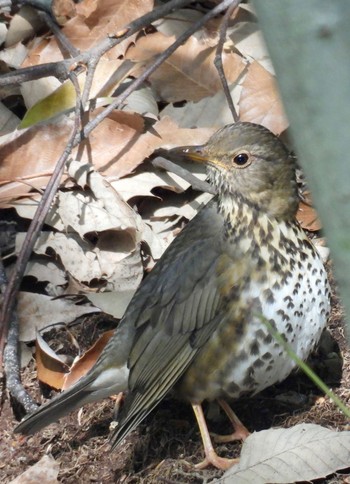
{"x": 247, "y": 160}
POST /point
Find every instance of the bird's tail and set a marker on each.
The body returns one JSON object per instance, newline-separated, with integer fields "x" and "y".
{"x": 89, "y": 388}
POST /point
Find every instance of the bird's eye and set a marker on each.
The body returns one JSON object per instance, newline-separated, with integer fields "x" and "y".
{"x": 241, "y": 159}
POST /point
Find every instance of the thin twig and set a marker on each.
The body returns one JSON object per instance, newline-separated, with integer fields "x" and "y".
{"x": 89, "y": 80}
{"x": 59, "y": 70}
{"x": 218, "y": 57}
{"x": 3, "y": 278}
{"x": 12, "y": 368}
{"x": 165, "y": 164}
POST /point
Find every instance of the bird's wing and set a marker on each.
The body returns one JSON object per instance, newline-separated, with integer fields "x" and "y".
{"x": 179, "y": 306}
{"x": 157, "y": 310}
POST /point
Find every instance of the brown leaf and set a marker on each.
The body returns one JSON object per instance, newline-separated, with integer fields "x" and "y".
{"x": 189, "y": 73}
{"x": 260, "y": 100}
{"x": 307, "y": 215}
{"x": 26, "y": 157}
{"x": 93, "y": 22}
{"x": 30, "y": 155}
{"x": 86, "y": 361}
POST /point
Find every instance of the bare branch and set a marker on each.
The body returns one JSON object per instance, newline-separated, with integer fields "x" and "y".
{"x": 218, "y": 57}
{"x": 165, "y": 164}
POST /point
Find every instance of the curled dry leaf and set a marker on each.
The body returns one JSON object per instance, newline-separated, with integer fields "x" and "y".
{"x": 49, "y": 366}
{"x": 83, "y": 364}
{"x": 23, "y": 25}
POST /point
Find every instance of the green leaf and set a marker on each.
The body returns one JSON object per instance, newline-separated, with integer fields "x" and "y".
{"x": 59, "y": 102}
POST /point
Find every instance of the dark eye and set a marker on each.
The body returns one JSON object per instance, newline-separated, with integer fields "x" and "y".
{"x": 241, "y": 159}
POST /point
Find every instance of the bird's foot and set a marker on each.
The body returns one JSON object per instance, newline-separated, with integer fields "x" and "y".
{"x": 239, "y": 434}
{"x": 219, "y": 462}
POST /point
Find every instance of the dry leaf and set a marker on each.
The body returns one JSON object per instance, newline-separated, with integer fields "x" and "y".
{"x": 93, "y": 22}
{"x": 82, "y": 365}
{"x": 248, "y": 40}
{"x": 47, "y": 270}
{"x": 50, "y": 368}
{"x": 188, "y": 74}
{"x": 37, "y": 311}
{"x": 307, "y": 215}
{"x": 176, "y": 23}
{"x": 210, "y": 111}
{"x": 114, "y": 303}
{"x": 301, "y": 453}
{"x": 44, "y": 471}
{"x": 23, "y": 25}
{"x": 8, "y": 120}
{"x": 260, "y": 100}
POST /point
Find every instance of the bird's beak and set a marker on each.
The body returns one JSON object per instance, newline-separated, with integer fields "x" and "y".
{"x": 190, "y": 153}
{"x": 197, "y": 154}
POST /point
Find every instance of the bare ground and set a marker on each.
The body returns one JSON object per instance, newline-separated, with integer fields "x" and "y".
{"x": 167, "y": 444}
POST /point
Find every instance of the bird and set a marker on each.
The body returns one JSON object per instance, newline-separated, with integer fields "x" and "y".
{"x": 196, "y": 326}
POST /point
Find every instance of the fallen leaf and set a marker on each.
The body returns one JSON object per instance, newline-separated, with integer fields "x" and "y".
{"x": 212, "y": 111}
{"x": 260, "y": 101}
{"x": 107, "y": 76}
{"x": 114, "y": 303}
{"x": 189, "y": 73}
{"x": 307, "y": 216}
{"x": 44, "y": 471}
{"x": 247, "y": 38}
{"x": 176, "y": 23}
{"x": 23, "y": 25}
{"x": 37, "y": 311}
{"x": 83, "y": 364}
{"x": 301, "y": 453}
{"x": 8, "y": 120}
{"x": 49, "y": 366}
{"x": 93, "y": 22}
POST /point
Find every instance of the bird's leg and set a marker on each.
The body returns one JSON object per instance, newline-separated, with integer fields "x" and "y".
{"x": 240, "y": 431}
{"x": 211, "y": 456}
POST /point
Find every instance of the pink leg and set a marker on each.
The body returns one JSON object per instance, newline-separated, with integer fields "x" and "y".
{"x": 211, "y": 456}
{"x": 240, "y": 431}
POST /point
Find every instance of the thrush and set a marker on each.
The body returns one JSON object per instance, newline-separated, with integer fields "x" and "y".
{"x": 197, "y": 322}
